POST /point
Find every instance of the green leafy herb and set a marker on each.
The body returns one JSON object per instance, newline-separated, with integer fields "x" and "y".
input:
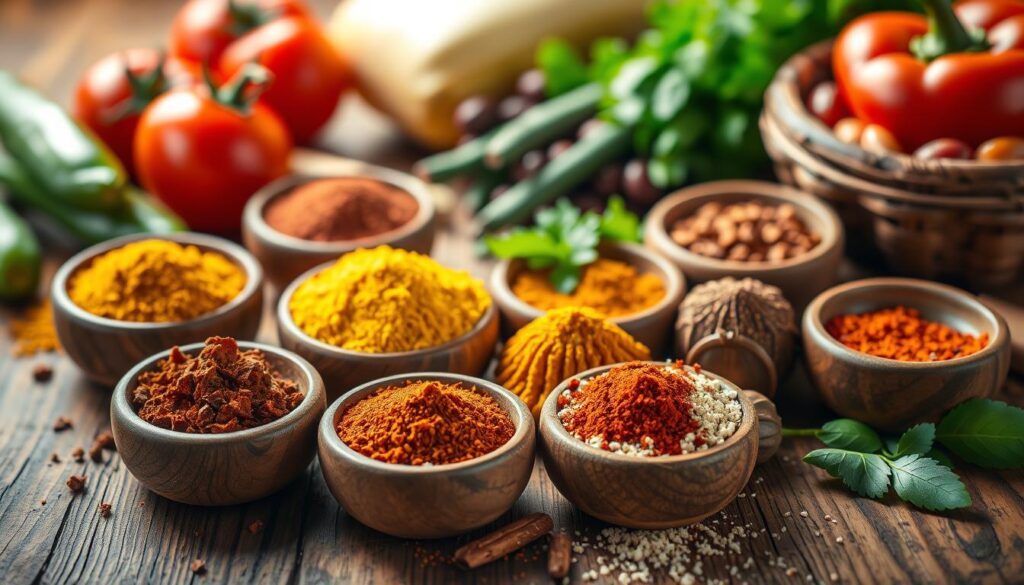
{"x": 564, "y": 69}
{"x": 928, "y": 484}
{"x": 565, "y": 239}
{"x": 916, "y": 441}
{"x": 850, "y": 434}
{"x": 984, "y": 432}
{"x": 865, "y": 473}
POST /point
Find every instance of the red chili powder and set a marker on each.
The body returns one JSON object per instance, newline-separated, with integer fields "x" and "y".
{"x": 632, "y": 402}
{"x": 221, "y": 390}
{"x": 349, "y": 208}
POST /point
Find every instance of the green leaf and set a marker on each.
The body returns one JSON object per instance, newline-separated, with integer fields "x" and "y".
{"x": 633, "y": 77}
{"x": 522, "y": 244}
{"x": 940, "y": 456}
{"x": 916, "y": 441}
{"x": 563, "y": 68}
{"x": 984, "y": 432}
{"x": 864, "y": 473}
{"x": 618, "y": 223}
{"x": 667, "y": 172}
{"x": 846, "y": 433}
{"x": 565, "y": 278}
{"x": 670, "y": 95}
{"x": 928, "y": 484}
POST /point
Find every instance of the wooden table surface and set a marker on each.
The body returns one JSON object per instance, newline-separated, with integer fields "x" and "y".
{"x": 49, "y": 535}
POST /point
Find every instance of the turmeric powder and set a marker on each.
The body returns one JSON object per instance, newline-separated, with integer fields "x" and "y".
{"x": 388, "y": 300}
{"x": 611, "y": 287}
{"x": 156, "y": 281}
{"x": 899, "y": 333}
{"x": 560, "y": 344}
{"x": 34, "y": 331}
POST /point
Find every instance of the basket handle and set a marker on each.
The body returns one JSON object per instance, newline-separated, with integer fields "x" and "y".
{"x": 769, "y": 425}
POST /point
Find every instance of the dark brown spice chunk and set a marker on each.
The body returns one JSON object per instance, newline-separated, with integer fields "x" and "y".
{"x": 43, "y": 501}
{"x": 256, "y": 526}
{"x": 78, "y": 454}
{"x": 76, "y": 483}
{"x": 54, "y": 457}
{"x": 104, "y": 440}
{"x": 105, "y": 509}
{"x": 222, "y": 390}
{"x": 96, "y": 453}
{"x": 62, "y": 423}
{"x": 198, "y": 566}
{"x": 42, "y": 373}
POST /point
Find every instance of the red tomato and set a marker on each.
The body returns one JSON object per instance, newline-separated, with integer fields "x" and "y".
{"x": 109, "y": 103}
{"x": 205, "y": 158}
{"x": 202, "y": 29}
{"x": 309, "y": 73}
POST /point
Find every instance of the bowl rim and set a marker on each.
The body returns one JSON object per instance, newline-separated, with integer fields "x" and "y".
{"x": 549, "y": 417}
{"x": 285, "y": 321}
{"x": 232, "y": 251}
{"x": 254, "y": 218}
{"x": 812, "y": 321}
{"x": 525, "y": 427}
{"x": 806, "y": 205}
{"x": 311, "y": 382}
{"x": 668, "y": 273}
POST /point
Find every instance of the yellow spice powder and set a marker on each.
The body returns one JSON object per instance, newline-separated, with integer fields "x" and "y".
{"x": 156, "y": 281}
{"x": 34, "y": 332}
{"x": 388, "y": 300}
{"x": 560, "y": 344}
{"x": 611, "y": 287}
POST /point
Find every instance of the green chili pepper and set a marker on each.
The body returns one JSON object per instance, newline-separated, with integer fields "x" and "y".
{"x": 20, "y": 257}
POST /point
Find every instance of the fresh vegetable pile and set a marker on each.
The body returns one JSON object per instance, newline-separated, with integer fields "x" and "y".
{"x": 680, "y": 104}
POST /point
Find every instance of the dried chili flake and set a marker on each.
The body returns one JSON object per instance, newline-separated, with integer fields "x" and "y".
{"x": 105, "y": 510}
{"x": 42, "y": 373}
{"x": 78, "y": 454}
{"x": 899, "y": 333}
{"x": 198, "y": 566}
{"x": 76, "y": 483}
{"x": 62, "y": 423}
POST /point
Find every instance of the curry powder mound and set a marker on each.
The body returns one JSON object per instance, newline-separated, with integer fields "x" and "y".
{"x": 561, "y": 344}
{"x": 388, "y": 300}
{"x": 156, "y": 281}
{"x": 614, "y": 288}
{"x": 34, "y": 332}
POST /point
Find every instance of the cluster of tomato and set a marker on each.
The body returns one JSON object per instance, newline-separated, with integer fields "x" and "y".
{"x": 209, "y": 122}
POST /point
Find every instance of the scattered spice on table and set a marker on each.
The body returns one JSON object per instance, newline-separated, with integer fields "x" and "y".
{"x": 103, "y": 441}
{"x": 751, "y": 231}
{"x": 198, "y": 566}
{"x": 105, "y": 510}
{"x": 34, "y": 332}
{"x": 503, "y": 541}
{"x": 222, "y": 389}
{"x": 78, "y": 454}
{"x": 348, "y": 208}
{"x": 76, "y": 483}
{"x": 62, "y": 423}
{"x": 559, "y": 555}
{"x": 54, "y": 457}
{"x": 650, "y": 410}
{"x": 559, "y": 344}
{"x": 42, "y": 373}
{"x": 156, "y": 281}
{"x": 425, "y": 422}
{"x": 900, "y": 333}
{"x": 609, "y": 286}
{"x": 388, "y": 300}
{"x": 255, "y": 527}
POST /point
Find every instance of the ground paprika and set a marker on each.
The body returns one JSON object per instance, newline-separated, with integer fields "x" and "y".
{"x": 899, "y": 333}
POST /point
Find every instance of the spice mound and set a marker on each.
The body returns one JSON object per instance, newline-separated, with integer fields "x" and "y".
{"x": 156, "y": 281}
{"x": 559, "y": 344}
{"x": 745, "y": 232}
{"x": 650, "y": 410}
{"x": 221, "y": 390}
{"x": 614, "y": 288}
{"x": 425, "y": 423}
{"x": 388, "y": 300}
{"x": 350, "y": 208}
{"x": 899, "y": 333}
{"x": 34, "y": 332}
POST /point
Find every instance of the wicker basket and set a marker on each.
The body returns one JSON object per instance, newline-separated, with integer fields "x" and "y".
{"x": 947, "y": 219}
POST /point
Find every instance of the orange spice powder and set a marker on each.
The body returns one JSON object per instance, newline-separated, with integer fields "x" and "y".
{"x": 899, "y": 333}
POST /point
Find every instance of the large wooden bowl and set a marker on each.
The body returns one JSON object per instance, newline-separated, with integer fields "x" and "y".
{"x": 285, "y": 257}
{"x": 415, "y": 501}
{"x": 344, "y": 369}
{"x": 657, "y": 492}
{"x": 104, "y": 349}
{"x": 893, "y": 395}
{"x": 226, "y": 468}
{"x": 800, "y": 278}
{"x": 652, "y": 326}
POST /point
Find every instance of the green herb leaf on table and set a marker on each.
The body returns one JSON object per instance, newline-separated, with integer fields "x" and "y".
{"x": 917, "y": 440}
{"x": 846, "y": 433}
{"x": 987, "y": 433}
{"x": 618, "y": 223}
{"x": 928, "y": 484}
{"x": 865, "y": 473}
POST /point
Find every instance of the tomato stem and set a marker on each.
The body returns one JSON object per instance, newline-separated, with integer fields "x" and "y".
{"x": 245, "y": 17}
{"x": 946, "y": 34}
{"x": 243, "y": 89}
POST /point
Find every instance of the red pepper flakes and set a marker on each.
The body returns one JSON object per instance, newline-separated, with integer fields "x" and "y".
{"x": 220, "y": 391}
{"x": 899, "y": 333}
{"x": 76, "y": 483}
{"x": 198, "y": 566}
{"x": 105, "y": 509}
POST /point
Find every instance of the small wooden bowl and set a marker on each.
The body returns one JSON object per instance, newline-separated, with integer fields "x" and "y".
{"x": 651, "y": 326}
{"x": 285, "y": 257}
{"x": 226, "y": 468}
{"x": 657, "y": 492}
{"x": 104, "y": 349}
{"x": 799, "y": 278}
{"x": 413, "y": 501}
{"x": 892, "y": 395}
{"x": 345, "y": 369}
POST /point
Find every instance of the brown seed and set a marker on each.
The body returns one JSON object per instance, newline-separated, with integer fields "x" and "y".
{"x": 684, "y": 237}
{"x": 770, "y": 233}
{"x": 42, "y": 373}
{"x": 198, "y": 566}
{"x": 62, "y": 423}
{"x": 76, "y": 483}
{"x": 78, "y": 454}
{"x": 745, "y": 233}
{"x": 54, "y": 457}
{"x": 726, "y": 237}
{"x": 105, "y": 509}
{"x": 777, "y": 253}
{"x": 96, "y": 453}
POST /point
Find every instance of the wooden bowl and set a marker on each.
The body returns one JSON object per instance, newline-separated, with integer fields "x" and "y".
{"x": 892, "y": 395}
{"x": 226, "y": 468}
{"x": 800, "y": 278}
{"x": 285, "y": 257}
{"x": 104, "y": 349}
{"x": 657, "y": 492}
{"x": 652, "y": 326}
{"x": 414, "y": 501}
{"x": 345, "y": 369}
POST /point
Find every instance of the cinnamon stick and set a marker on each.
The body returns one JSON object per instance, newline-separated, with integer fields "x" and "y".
{"x": 559, "y": 555}
{"x": 499, "y": 543}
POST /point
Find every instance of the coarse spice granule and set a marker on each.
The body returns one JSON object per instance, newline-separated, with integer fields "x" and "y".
{"x": 610, "y": 287}
{"x": 650, "y": 410}
{"x": 899, "y": 333}
{"x": 425, "y": 423}
{"x": 33, "y": 331}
